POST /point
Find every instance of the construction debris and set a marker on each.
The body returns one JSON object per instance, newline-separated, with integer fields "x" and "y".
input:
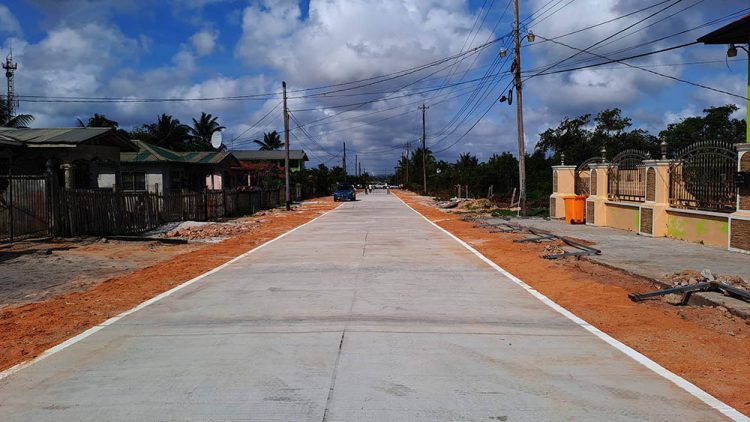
{"x": 446, "y": 204}
{"x": 461, "y": 205}
{"x": 553, "y": 249}
{"x": 685, "y": 283}
{"x": 687, "y": 277}
{"x": 539, "y": 235}
{"x": 192, "y": 230}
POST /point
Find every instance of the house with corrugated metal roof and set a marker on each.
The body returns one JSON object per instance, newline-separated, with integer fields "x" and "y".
{"x": 156, "y": 169}
{"x": 297, "y": 157}
{"x": 76, "y": 155}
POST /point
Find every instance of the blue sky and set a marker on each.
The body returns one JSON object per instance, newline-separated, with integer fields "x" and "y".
{"x": 216, "y": 48}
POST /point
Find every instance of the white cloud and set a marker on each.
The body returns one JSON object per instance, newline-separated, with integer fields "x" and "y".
{"x": 8, "y": 22}
{"x": 352, "y": 40}
{"x": 204, "y": 41}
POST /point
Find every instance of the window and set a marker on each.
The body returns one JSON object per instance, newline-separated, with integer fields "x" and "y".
{"x": 133, "y": 181}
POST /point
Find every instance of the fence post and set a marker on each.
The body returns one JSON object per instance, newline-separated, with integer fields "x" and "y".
{"x": 563, "y": 183}
{"x": 653, "y": 213}
{"x": 10, "y": 206}
{"x": 117, "y": 209}
{"x": 739, "y": 221}
{"x": 596, "y": 203}
{"x": 224, "y": 194}
{"x": 205, "y": 203}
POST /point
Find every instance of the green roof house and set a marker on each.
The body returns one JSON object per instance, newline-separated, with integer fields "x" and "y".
{"x": 158, "y": 169}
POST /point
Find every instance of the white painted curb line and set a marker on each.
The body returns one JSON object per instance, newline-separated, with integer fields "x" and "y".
{"x": 73, "y": 340}
{"x": 686, "y": 385}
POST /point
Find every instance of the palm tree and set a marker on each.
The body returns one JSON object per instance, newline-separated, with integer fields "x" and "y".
{"x": 98, "y": 120}
{"x": 17, "y": 121}
{"x": 203, "y": 129}
{"x": 271, "y": 141}
{"x": 168, "y": 132}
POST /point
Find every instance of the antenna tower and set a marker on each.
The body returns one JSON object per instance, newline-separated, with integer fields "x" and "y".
{"x": 10, "y": 69}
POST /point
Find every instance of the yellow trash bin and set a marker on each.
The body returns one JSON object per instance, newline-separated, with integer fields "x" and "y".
{"x": 575, "y": 209}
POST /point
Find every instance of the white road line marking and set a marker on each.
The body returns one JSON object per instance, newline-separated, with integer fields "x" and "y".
{"x": 73, "y": 340}
{"x": 686, "y": 385}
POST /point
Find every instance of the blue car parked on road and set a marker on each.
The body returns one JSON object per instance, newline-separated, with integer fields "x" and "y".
{"x": 345, "y": 192}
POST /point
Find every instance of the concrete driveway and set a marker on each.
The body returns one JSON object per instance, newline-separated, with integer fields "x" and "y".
{"x": 368, "y": 313}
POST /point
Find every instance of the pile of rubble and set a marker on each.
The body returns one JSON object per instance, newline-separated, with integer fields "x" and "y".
{"x": 687, "y": 277}
{"x": 447, "y": 204}
{"x": 553, "y": 249}
{"x": 691, "y": 277}
{"x": 481, "y": 205}
{"x": 212, "y": 231}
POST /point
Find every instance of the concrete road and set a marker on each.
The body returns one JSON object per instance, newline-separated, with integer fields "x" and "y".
{"x": 368, "y": 313}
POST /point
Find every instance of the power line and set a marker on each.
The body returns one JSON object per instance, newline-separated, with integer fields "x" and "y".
{"x": 653, "y": 41}
{"x": 299, "y": 126}
{"x": 607, "y": 21}
{"x": 649, "y": 70}
{"x": 609, "y": 37}
{"x": 609, "y": 61}
{"x": 536, "y": 22}
{"x": 256, "y": 123}
{"x": 258, "y": 97}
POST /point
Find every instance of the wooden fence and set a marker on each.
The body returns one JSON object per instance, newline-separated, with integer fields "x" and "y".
{"x": 101, "y": 212}
{"x": 34, "y": 206}
{"x": 25, "y": 207}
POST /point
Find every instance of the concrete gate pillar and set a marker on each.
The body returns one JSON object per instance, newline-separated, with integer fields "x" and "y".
{"x": 596, "y": 208}
{"x": 654, "y": 210}
{"x": 739, "y": 221}
{"x": 563, "y": 183}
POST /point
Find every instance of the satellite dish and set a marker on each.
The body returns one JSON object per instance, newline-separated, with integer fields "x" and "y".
{"x": 216, "y": 140}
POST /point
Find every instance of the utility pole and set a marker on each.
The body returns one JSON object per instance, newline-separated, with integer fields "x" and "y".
{"x": 407, "y": 164}
{"x": 343, "y": 160}
{"x": 356, "y": 165}
{"x": 288, "y": 190}
{"x": 424, "y": 149}
{"x": 519, "y": 114}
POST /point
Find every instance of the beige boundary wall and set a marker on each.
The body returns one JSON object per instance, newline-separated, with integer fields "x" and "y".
{"x": 654, "y": 217}
{"x": 739, "y": 222}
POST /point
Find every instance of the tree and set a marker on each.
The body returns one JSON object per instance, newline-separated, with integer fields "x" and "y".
{"x": 167, "y": 132}
{"x": 17, "y": 121}
{"x": 716, "y": 125}
{"x": 202, "y": 130}
{"x": 579, "y": 143}
{"x": 98, "y": 120}
{"x": 500, "y": 172}
{"x": 570, "y": 137}
{"x": 271, "y": 141}
{"x": 415, "y": 169}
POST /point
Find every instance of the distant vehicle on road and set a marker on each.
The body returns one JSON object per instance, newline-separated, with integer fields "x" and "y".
{"x": 345, "y": 192}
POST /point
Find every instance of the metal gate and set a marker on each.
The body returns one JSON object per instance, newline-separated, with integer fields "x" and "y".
{"x": 583, "y": 176}
{"x": 626, "y": 176}
{"x": 702, "y": 177}
{"x": 25, "y": 207}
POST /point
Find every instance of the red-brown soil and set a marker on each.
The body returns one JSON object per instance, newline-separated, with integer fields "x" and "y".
{"x": 705, "y": 345}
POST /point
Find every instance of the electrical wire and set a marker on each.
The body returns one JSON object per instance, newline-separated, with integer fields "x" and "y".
{"x": 256, "y": 123}
{"x": 610, "y": 36}
{"x": 695, "y": 84}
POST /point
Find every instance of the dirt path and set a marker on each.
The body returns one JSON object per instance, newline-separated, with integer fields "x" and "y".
{"x": 34, "y": 271}
{"x": 706, "y": 346}
{"x": 29, "y": 329}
